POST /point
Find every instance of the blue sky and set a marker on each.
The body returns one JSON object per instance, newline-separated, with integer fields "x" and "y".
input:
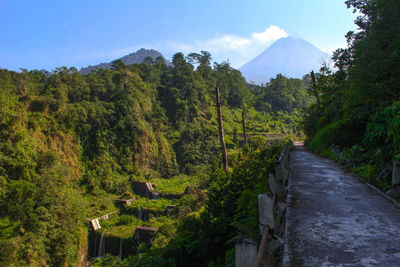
{"x": 46, "y": 34}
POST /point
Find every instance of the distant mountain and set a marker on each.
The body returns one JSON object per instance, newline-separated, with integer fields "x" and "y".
{"x": 133, "y": 58}
{"x": 291, "y": 56}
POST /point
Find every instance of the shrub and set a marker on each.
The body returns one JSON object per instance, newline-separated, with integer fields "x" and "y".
{"x": 125, "y": 219}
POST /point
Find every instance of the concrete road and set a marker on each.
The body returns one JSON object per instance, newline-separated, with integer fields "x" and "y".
{"x": 335, "y": 220}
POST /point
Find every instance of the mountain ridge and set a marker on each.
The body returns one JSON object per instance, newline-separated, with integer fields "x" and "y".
{"x": 132, "y": 58}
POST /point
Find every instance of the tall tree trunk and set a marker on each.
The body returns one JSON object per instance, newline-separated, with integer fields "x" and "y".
{"x": 244, "y": 127}
{"x": 221, "y": 131}
{"x": 314, "y": 86}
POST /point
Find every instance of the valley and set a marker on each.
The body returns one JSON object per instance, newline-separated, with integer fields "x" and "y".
{"x": 124, "y": 163}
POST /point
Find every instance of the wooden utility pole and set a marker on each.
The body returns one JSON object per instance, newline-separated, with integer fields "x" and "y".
{"x": 244, "y": 128}
{"x": 314, "y": 86}
{"x": 221, "y": 131}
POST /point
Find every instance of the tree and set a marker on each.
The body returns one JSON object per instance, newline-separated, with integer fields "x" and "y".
{"x": 117, "y": 64}
{"x": 178, "y": 60}
{"x": 20, "y": 203}
{"x": 149, "y": 60}
{"x": 244, "y": 127}
{"x": 221, "y": 131}
{"x": 205, "y": 58}
{"x": 202, "y": 59}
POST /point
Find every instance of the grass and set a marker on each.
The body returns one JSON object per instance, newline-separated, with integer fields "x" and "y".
{"x": 175, "y": 185}
{"x": 120, "y": 226}
{"x": 160, "y": 221}
{"x": 121, "y": 231}
{"x": 111, "y": 227}
{"x": 155, "y": 204}
{"x": 100, "y": 205}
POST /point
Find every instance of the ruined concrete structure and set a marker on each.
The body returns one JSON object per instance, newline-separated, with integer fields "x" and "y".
{"x": 127, "y": 202}
{"x": 95, "y": 224}
{"x": 245, "y": 253}
{"x": 145, "y": 234}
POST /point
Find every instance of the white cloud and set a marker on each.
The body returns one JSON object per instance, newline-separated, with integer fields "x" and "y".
{"x": 237, "y": 49}
{"x": 230, "y": 42}
{"x": 270, "y": 34}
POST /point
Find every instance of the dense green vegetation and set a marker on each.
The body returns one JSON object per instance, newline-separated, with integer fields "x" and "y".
{"x": 357, "y": 106}
{"x": 205, "y": 233}
{"x": 70, "y": 145}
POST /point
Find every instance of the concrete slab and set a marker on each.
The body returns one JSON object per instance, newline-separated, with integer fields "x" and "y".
{"x": 335, "y": 220}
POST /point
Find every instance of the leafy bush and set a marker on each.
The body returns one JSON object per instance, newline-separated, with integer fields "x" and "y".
{"x": 125, "y": 219}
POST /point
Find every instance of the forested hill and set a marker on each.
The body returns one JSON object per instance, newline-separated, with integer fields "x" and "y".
{"x": 70, "y": 144}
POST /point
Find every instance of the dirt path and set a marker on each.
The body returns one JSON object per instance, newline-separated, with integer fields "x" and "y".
{"x": 334, "y": 220}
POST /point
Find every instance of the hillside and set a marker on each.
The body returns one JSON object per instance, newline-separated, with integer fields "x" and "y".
{"x": 291, "y": 56}
{"x": 72, "y": 146}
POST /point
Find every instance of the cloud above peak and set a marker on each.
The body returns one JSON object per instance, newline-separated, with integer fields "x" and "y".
{"x": 271, "y": 34}
{"x": 237, "y": 49}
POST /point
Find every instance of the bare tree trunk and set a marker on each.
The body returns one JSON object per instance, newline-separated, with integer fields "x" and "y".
{"x": 221, "y": 131}
{"x": 314, "y": 86}
{"x": 244, "y": 128}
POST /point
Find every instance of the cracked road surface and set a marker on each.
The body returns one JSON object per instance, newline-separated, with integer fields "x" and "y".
{"x": 335, "y": 220}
